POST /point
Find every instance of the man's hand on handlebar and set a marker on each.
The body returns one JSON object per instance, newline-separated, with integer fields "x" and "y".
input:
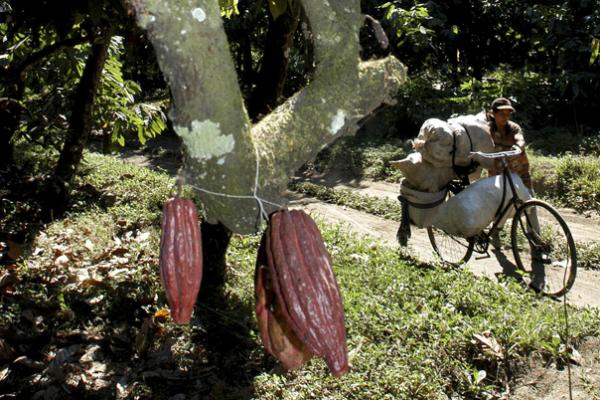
{"x": 479, "y": 156}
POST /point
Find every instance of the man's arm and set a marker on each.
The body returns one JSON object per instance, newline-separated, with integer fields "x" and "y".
{"x": 517, "y": 133}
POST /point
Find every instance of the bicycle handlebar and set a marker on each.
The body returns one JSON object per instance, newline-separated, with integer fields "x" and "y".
{"x": 515, "y": 151}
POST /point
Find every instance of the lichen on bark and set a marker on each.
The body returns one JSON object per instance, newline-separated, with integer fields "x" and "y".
{"x": 194, "y": 55}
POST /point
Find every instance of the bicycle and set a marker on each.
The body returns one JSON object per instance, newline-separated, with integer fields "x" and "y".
{"x": 541, "y": 241}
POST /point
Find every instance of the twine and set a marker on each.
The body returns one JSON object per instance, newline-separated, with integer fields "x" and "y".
{"x": 260, "y": 201}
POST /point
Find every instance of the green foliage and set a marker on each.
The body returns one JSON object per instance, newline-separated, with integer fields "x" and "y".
{"x": 595, "y": 50}
{"x": 538, "y": 102}
{"x": 229, "y": 8}
{"x": 278, "y": 7}
{"x": 362, "y": 156}
{"x": 588, "y": 255}
{"x": 578, "y": 182}
{"x": 118, "y": 113}
{"x": 569, "y": 181}
{"x": 409, "y": 23}
{"x": 44, "y": 49}
{"x": 553, "y": 46}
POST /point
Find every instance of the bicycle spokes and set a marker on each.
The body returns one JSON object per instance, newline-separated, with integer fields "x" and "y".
{"x": 544, "y": 248}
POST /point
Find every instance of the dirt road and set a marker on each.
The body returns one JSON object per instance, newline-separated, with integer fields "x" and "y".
{"x": 585, "y": 292}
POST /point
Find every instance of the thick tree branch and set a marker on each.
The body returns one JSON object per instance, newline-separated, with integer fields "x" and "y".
{"x": 80, "y": 126}
{"x": 209, "y": 115}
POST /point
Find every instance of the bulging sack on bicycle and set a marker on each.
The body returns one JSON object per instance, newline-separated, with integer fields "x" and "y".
{"x": 465, "y": 214}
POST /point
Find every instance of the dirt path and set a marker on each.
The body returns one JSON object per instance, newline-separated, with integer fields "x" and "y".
{"x": 585, "y": 292}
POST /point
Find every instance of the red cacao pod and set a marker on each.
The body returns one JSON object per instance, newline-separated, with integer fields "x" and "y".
{"x": 180, "y": 260}
{"x": 298, "y": 303}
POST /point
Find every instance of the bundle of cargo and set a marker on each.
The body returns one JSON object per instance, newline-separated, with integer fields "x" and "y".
{"x": 441, "y": 155}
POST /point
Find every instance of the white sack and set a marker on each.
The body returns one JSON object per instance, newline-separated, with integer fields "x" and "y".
{"x": 421, "y": 217}
{"x": 473, "y": 209}
{"x": 435, "y": 139}
{"x": 470, "y": 211}
{"x": 421, "y": 175}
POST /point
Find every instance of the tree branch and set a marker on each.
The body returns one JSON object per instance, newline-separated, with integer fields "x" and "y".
{"x": 45, "y": 52}
{"x": 208, "y": 111}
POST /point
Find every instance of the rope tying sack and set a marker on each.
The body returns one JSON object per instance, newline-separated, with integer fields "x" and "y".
{"x": 403, "y": 233}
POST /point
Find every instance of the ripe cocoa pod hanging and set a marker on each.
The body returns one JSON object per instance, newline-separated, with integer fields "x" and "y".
{"x": 180, "y": 260}
{"x": 298, "y": 303}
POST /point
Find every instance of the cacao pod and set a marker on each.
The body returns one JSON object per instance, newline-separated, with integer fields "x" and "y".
{"x": 298, "y": 303}
{"x": 180, "y": 259}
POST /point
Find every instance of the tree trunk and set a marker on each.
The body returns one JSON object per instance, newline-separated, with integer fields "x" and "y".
{"x": 80, "y": 127}
{"x": 239, "y": 170}
{"x": 10, "y": 113}
{"x": 10, "y": 116}
{"x": 215, "y": 239}
{"x": 273, "y": 71}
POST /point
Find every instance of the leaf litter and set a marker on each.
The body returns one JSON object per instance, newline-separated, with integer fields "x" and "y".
{"x": 87, "y": 307}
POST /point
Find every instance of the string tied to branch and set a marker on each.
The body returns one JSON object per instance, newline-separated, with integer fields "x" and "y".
{"x": 262, "y": 213}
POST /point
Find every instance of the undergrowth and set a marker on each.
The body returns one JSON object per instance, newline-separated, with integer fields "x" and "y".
{"x": 87, "y": 316}
{"x": 362, "y": 157}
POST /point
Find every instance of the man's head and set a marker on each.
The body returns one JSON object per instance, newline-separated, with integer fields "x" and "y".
{"x": 502, "y": 109}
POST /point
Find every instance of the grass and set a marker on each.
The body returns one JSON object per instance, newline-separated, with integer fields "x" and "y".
{"x": 574, "y": 182}
{"x": 411, "y": 330}
{"x": 414, "y": 331}
{"x": 381, "y": 207}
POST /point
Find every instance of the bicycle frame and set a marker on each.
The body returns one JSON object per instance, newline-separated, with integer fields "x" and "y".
{"x": 547, "y": 271}
{"x": 483, "y": 238}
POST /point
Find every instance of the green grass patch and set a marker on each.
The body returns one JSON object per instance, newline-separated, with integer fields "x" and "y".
{"x": 382, "y": 207}
{"x": 131, "y": 194}
{"x": 412, "y": 329}
{"x": 570, "y": 181}
{"x": 362, "y": 157}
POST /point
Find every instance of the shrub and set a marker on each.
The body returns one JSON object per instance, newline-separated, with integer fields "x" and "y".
{"x": 578, "y": 182}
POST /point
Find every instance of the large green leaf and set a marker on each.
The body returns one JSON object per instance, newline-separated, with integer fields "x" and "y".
{"x": 229, "y": 8}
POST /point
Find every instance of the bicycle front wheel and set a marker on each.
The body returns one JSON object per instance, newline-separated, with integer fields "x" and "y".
{"x": 544, "y": 248}
{"x": 453, "y": 250}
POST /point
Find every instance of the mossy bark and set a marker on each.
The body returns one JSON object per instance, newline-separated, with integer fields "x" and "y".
{"x": 208, "y": 111}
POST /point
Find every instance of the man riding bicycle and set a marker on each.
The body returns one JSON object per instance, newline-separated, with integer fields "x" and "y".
{"x": 505, "y": 135}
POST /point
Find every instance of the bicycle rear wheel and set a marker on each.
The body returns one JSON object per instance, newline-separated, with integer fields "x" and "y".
{"x": 453, "y": 250}
{"x": 544, "y": 248}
